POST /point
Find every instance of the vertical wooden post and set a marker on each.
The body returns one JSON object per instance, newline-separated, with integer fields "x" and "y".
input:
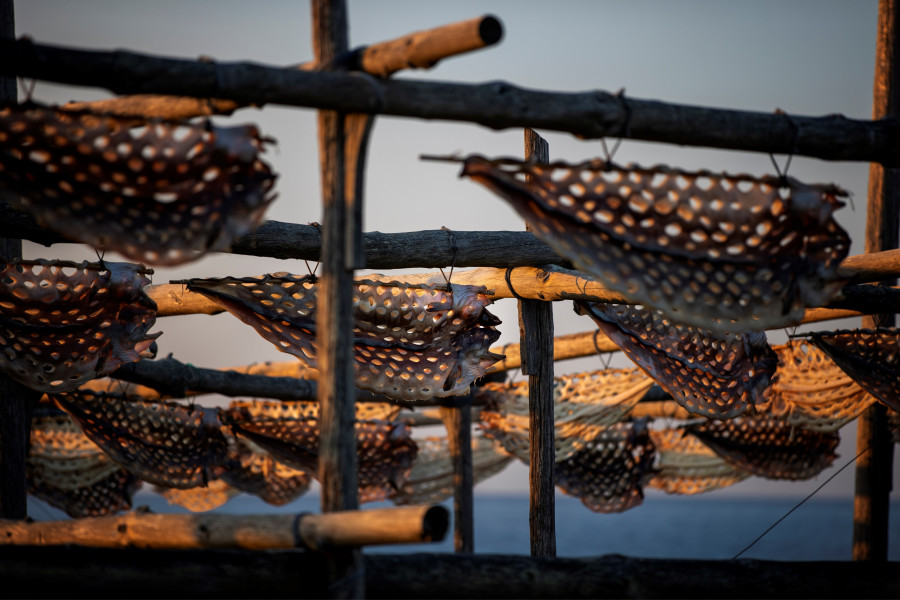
{"x": 341, "y": 202}
{"x": 871, "y": 504}
{"x": 457, "y": 420}
{"x": 16, "y": 401}
{"x": 536, "y": 335}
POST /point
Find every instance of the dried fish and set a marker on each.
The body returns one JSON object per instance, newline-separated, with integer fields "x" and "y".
{"x": 411, "y": 342}
{"x": 870, "y": 356}
{"x": 163, "y": 443}
{"x": 721, "y": 252}
{"x": 64, "y": 323}
{"x": 157, "y": 192}
{"x": 717, "y": 375}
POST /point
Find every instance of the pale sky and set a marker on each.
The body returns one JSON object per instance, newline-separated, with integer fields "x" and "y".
{"x": 804, "y": 57}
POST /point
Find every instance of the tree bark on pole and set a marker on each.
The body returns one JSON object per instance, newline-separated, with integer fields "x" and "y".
{"x": 340, "y": 210}
{"x": 494, "y": 104}
{"x": 536, "y": 343}
{"x": 457, "y": 418}
{"x": 871, "y": 503}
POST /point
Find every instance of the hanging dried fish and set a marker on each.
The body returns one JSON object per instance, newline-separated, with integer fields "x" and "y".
{"x": 769, "y": 447}
{"x": 254, "y": 471}
{"x": 716, "y": 375}
{"x": 290, "y": 435}
{"x": 870, "y": 356}
{"x": 163, "y": 443}
{"x": 64, "y": 323}
{"x": 721, "y": 252}
{"x": 584, "y": 404}
{"x": 609, "y": 474}
{"x": 812, "y": 392}
{"x": 411, "y": 342}
{"x": 687, "y": 466}
{"x": 157, "y": 192}
{"x": 431, "y": 478}
{"x": 108, "y": 496}
{"x": 199, "y": 499}
{"x": 67, "y": 470}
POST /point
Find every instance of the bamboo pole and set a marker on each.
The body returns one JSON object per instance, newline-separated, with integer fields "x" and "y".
{"x": 536, "y": 350}
{"x": 324, "y": 532}
{"x": 874, "y": 468}
{"x": 495, "y": 104}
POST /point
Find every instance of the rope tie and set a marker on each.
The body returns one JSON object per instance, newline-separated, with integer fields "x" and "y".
{"x": 508, "y": 277}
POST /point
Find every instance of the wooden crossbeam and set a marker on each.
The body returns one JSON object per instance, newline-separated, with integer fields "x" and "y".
{"x": 496, "y": 104}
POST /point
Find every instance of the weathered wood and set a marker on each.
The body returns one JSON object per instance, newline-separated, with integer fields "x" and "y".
{"x": 422, "y": 249}
{"x": 536, "y": 346}
{"x": 16, "y": 401}
{"x": 419, "y": 50}
{"x": 341, "y": 161}
{"x": 495, "y": 104}
{"x": 547, "y": 283}
{"x": 325, "y": 532}
{"x": 66, "y": 571}
{"x": 154, "y": 106}
{"x": 874, "y": 467}
{"x": 175, "y": 379}
{"x": 457, "y": 418}
{"x": 337, "y": 458}
{"x": 424, "y": 49}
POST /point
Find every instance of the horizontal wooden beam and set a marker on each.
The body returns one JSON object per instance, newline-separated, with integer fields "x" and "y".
{"x": 496, "y": 104}
{"x": 346, "y": 529}
{"x": 422, "y": 249}
{"x": 111, "y": 573}
{"x": 419, "y": 50}
{"x": 550, "y": 283}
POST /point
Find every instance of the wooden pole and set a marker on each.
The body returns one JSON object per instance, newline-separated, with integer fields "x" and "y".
{"x": 341, "y": 209}
{"x": 545, "y": 283}
{"x": 495, "y": 104}
{"x": 16, "y": 401}
{"x": 419, "y": 50}
{"x": 871, "y": 504}
{"x": 325, "y": 532}
{"x": 536, "y": 343}
{"x": 421, "y": 249}
{"x": 457, "y": 418}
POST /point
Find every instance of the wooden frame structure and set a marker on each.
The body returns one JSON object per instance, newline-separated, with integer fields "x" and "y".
{"x": 340, "y": 84}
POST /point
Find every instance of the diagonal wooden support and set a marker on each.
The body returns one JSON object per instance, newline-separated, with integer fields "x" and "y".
{"x": 536, "y": 342}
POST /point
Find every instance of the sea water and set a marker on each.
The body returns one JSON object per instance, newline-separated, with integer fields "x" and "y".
{"x": 690, "y": 527}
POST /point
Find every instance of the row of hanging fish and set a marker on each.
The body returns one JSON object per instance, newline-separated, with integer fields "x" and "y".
{"x": 91, "y": 461}
{"x": 269, "y": 449}
{"x": 606, "y": 457}
{"x": 708, "y": 261}
{"x": 63, "y": 324}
